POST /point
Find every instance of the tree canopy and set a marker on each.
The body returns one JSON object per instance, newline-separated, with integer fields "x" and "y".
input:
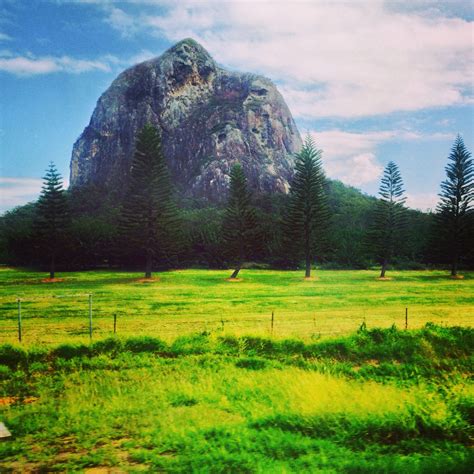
{"x": 454, "y": 217}
{"x": 149, "y": 217}
{"x": 240, "y": 223}
{"x": 52, "y": 216}
{"x": 307, "y": 217}
{"x": 389, "y": 220}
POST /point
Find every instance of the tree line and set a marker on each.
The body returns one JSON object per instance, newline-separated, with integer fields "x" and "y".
{"x": 319, "y": 221}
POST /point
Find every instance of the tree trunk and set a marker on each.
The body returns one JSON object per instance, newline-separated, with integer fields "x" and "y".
{"x": 384, "y": 269}
{"x": 148, "y": 264}
{"x": 52, "y": 266}
{"x": 236, "y": 271}
{"x": 307, "y": 249}
{"x": 308, "y": 267}
{"x": 454, "y": 266}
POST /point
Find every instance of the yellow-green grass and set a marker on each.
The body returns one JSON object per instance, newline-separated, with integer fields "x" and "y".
{"x": 190, "y": 301}
{"x": 134, "y": 405}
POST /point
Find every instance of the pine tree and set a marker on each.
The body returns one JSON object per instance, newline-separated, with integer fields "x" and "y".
{"x": 455, "y": 212}
{"x": 307, "y": 216}
{"x": 240, "y": 223}
{"x": 149, "y": 215}
{"x": 52, "y": 216}
{"x": 389, "y": 221}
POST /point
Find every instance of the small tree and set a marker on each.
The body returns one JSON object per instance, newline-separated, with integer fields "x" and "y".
{"x": 149, "y": 216}
{"x": 307, "y": 217}
{"x": 240, "y": 223}
{"x": 389, "y": 222}
{"x": 52, "y": 218}
{"x": 454, "y": 216}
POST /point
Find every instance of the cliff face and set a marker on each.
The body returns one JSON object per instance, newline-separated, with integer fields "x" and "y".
{"x": 209, "y": 119}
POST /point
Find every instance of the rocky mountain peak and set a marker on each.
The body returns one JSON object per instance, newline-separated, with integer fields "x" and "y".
{"x": 209, "y": 119}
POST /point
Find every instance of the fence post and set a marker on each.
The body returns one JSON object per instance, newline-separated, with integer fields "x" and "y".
{"x": 19, "y": 319}
{"x": 272, "y": 322}
{"x": 406, "y": 318}
{"x": 90, "y": 316}
{"x": 115, "y": 323}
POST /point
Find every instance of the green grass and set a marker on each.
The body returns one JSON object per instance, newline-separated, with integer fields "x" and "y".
{"x": 196, "y": 381}
{"x": 190, "y": 301}
{"x": 378, "y": 401}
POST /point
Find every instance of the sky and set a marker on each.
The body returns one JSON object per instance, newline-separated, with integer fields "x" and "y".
{"x": 372, "y": 81}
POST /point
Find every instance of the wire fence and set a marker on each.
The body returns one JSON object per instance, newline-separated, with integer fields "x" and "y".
{"x": 85, "y": 316}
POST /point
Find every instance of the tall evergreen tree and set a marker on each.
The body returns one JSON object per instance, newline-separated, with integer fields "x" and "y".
{"x": 149, "y": 215}
{"x": 52, "y": 216}
{"x": 455, "y": 211}
{"x": 307, "y": 216}
{"x": 389, "y": 221}
{"x": 240, "y": 223}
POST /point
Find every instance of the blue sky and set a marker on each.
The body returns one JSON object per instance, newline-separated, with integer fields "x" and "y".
{"x": 373, "y": 81}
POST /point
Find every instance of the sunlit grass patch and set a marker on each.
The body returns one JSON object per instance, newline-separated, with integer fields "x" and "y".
{"x": 191, "y": 301}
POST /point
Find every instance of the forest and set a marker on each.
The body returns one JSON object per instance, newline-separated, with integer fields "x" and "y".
{"x": 94, "y": 227}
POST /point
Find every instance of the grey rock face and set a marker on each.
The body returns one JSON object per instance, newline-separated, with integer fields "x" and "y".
{"x": 209, "y": 119}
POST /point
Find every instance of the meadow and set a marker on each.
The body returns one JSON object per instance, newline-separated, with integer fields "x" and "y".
{"x": 383, "y": 400}
{"x": 192, "y": 301}
{"x": 196, "y": 380}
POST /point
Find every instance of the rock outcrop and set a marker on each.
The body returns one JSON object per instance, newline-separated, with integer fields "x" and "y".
{"x": 209, "y": 119}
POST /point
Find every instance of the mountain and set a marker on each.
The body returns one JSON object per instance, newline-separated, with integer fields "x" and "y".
{"x": 209, "y": 118}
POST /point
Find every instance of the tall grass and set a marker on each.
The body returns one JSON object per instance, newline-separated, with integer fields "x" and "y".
{"x": 222, "y": 404}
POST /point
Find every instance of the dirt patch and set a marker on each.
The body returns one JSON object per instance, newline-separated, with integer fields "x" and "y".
{"x": 6, "y": 401}
{"x": 457, "y": 277}
{"x": 147, "y": 280}
{"x": 233, "y": 280}
{"x": 24, "y": 468}
{"x": 311, "y": 278}
{"x": 52, "y": 280}
{"x": 384, "y": 278}
{"x": 104, "y": 470}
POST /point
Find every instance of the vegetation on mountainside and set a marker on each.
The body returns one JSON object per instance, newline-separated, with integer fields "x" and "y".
{"x": 93, "y": 239}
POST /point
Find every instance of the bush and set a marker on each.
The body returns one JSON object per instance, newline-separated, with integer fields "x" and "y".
{"x": 111, "y": 345}
{"x": 251, "y": 363}
{"x": 69, "y": 351}
{"x": 292, "y": 347}
{"x": 196, "y": 344}
{"x": 259, "y": 346}
{"x": 145, "y": 344}
{"x": 12, "y": 356}
{"x": 228, "y": 345}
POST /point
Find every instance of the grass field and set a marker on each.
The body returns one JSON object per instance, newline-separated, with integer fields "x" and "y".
{"x": 191, "y": 301}
{"x": 196, "y": 380}
{"x": 383, "y": 401}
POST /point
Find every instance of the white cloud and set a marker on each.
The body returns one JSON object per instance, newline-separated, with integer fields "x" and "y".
{"x": 422, "y": 201}
{"x": 342, "y": 59}
{"x": 122, "y": 22}
{"x": 352, "y": 157}
{"x": 355, "y": 170}
{"x": 17, "y": 191}
{"x": 30, "y": 65}
{"x": 5, "y": 37}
